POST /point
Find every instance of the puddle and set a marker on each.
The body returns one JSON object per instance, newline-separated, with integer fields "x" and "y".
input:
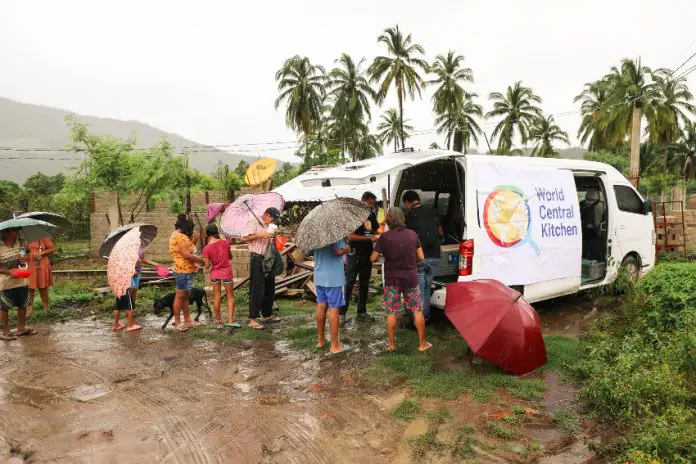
{"x": 84, "y": 393}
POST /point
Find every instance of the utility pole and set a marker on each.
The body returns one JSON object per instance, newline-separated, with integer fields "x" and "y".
{"x": 188, "y": 184}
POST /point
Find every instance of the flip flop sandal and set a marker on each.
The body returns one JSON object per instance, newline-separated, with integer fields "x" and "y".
{"x": 271, "y": 320}
{"x": 234, "y": 325}
{"x": 118, "y": 327}
{"x": 257, "y": 327}
{"x": 26, "y": 332}
{"x": 345, "y": 349}
{"x": 181, "y": 328}
{"x": 8, "y": 338}
{"x": 134, "y": 328}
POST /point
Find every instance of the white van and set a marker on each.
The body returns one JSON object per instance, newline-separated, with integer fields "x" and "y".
{"x": 521, "y": 220}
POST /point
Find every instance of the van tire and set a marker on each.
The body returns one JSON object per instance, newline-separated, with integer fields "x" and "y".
{"x": 631, "y": 266}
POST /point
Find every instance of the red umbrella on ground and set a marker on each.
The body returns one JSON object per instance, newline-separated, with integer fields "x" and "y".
{"x": 498, "y": 324}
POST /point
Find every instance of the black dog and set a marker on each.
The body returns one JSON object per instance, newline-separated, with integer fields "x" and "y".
{"x": 197, "y": 295}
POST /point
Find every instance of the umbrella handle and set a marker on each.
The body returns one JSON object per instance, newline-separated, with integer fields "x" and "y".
{"x": 253, "y": 214}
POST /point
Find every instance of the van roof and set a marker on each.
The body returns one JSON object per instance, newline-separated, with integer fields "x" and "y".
{"x": 367, "y": 171}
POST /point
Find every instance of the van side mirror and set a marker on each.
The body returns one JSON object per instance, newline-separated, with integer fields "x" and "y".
{"x": 647, "y": 207}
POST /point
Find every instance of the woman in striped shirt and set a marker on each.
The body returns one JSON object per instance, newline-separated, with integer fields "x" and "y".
{"x": 261, "y": 286}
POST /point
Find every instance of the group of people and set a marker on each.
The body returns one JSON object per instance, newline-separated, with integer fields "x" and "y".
{"x": 410, "y": 248}
{"x": 16, "y": 292}
{"x": 411, "y": 252}
{"x": 216, "y": 257}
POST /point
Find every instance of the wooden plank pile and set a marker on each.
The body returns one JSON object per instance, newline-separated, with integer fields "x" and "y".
{"x": 298, "y": 278}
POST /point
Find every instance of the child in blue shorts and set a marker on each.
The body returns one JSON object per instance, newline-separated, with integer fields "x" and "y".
{"x": 330, "y": 281}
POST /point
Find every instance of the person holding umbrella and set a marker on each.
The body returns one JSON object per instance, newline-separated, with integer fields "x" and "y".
{"x": 181, "y": 249}
{"x": 330, "y": 282}
{"x": 261, "y": 285}
{"x": 402, "y": 252}
{"x": 13, "y": 289}
{"x": 41, "y": 277}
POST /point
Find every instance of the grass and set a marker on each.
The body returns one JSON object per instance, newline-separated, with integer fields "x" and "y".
{"x": 568, "y": 421}
{"x": 464, "y": 443}
{"x": 406, "y": 411}
{"x": 563, "y": 353}
{"x": 500, "y": 431}
{"x": 425, "y": 444}
{"x": 440, "y": 416}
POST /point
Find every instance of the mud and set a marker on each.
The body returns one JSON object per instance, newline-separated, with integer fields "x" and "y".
{"x": 79, "y": 393}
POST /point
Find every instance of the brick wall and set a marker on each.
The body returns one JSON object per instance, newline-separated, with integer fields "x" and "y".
{"x": 159, "y": 216}
{"x": 240, "y": 260}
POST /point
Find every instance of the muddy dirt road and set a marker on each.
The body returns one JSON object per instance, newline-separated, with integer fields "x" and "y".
{"x": 79, "y": 393}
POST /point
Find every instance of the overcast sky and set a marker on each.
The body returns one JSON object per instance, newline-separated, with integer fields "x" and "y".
{"x": 205, "y": 70}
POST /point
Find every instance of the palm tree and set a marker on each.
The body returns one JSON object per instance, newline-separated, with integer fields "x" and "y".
{"x": 367, "y": 146}
{"x": 398, "y": 69}
{"x": 459, "y": 123}
{"x": 632, "y": 92}
{"x": 684, "y": 150}
{"x": 449, "y": 73}
{"x": 593, "y": 106}
{"x": 392, "y": 128}
{"x": 671, "y": 107}
{"x": 545, "y": 131}
{"x": 351, "y": 94}
{"x": 518, "y": 109}
{"x": 301, "y": 86}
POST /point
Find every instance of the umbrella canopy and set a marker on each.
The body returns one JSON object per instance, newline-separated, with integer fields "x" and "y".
{"x": 52, "y": 218}
{"x": 147, "y": 233}
{"x": 498, "y": 324}
{"x": 122, "y": 261}
{"x": 30, "y": 230}
{"x": 330, "y": 222}
{"x": 235, "y": 221}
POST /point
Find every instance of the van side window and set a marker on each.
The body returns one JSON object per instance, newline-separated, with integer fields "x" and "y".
{"x": 628, "y": 200}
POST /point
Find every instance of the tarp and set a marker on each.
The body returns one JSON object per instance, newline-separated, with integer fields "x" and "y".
{"x": 530, "y": 223}
{"x": 294, "y": 192}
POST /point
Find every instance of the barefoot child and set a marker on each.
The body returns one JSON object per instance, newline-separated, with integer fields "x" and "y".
{"x": 330, "y": 281}
{"x": 217, "y": 256}
{"x": 127, "y": 301}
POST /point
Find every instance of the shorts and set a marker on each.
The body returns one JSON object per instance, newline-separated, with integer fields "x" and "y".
{"x": 184, "y": 281}
{"x": 222, "y": 281}
{"x": 17, "y": 297}
{"x": 124, "y": 303}
{"x": 333, "y": 296}
{"x": 135, "y": 281}
{"x": 392, "y": 299}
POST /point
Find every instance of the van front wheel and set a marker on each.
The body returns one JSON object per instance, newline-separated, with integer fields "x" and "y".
{"x": 631, "y": 267}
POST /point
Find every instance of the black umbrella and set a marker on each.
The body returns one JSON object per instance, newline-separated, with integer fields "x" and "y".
{"x": 147, "y": 233}
{"x": 330, "y": 222}
{"x": 52, "y": 218}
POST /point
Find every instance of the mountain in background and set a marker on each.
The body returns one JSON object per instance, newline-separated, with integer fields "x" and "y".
{"x": 24, "y": 126}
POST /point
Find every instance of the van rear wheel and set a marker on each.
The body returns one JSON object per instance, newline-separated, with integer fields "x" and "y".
{"x": 631, "y": 267}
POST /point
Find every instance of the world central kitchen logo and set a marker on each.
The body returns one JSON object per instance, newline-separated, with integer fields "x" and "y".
{"x": 507, "y": 216}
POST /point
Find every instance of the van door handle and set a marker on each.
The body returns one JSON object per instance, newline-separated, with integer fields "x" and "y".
{"x": 622, "y": 227}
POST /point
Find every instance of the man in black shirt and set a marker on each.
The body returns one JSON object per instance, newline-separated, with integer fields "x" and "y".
{"x": 424, "y": 222}
{"x": 359, "y": 265}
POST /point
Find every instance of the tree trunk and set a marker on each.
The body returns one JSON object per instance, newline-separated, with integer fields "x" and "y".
{"x": 396, "y": 144}
{"x": 118, "y": 205}
{"x": 635, "y": 143}
{"x": 401, "y": 119}
{"x": 666, "y": 157}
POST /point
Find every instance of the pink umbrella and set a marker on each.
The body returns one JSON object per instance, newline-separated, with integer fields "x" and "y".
{"x": 247, "y": 208}
{"x": 122, "y": 261}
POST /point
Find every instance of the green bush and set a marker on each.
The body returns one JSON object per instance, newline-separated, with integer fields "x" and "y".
{"x": 640, "y": 368}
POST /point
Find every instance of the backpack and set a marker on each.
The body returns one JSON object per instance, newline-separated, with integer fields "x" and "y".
{"x": 272, "y": 261}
